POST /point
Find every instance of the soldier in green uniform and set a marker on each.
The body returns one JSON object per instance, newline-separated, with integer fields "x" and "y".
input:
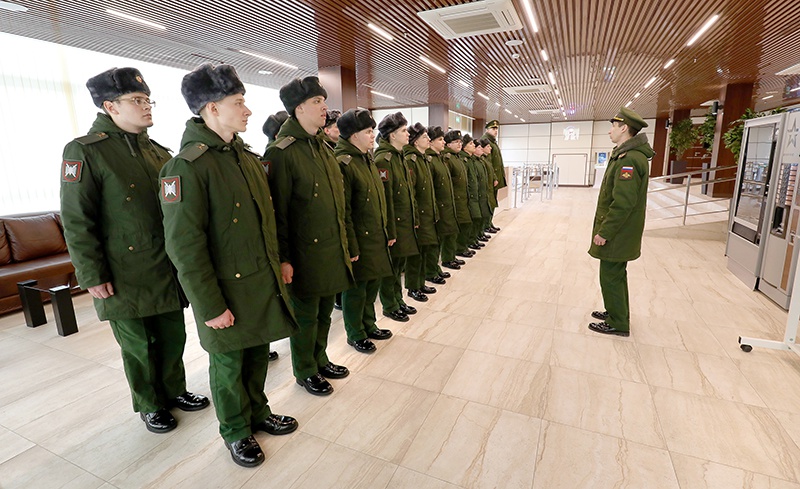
{"x": 220, "y": 233}
{"x": 490, "y": 183}
{"x": 468, "y": 147}
{"x": 365, "y": 216}
{"x": 497, "y": 160}
{"x": 458, "y": 172}
{"x": 419, "y": 266}
{"x": 273, "y": 124}
{"x": 447, "y": 225}
{"x": 483, "y": 198}
{"x": 401, "y": 211}
{"x": 619, "y": 219}
{"x": 309, "y": 203}
{"x": 331, "y": 137}
{"x": 113, "y": 172}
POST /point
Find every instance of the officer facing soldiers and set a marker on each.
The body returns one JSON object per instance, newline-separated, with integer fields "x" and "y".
{"x": 418, "y": 267}
{"x": 497, "y": 161}
{"x": 310, "y": 210}
{"x": 365, "y": 216}
{"x": 220, "y": 233}
{"x": 447, "y": 226}
{"x": 458, "y": 171}
{"x": 109, "y": 173}
{"x": 401, "y": 213}
{"x": 619, "y": 219}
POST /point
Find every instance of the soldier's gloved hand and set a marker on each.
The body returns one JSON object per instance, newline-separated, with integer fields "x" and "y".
{"x": 392, "y": 242}
{"x": 287, "y": 272}
{"x": 224, "y": 320}
{"x": 355, "y": 258}
{"x": 599, "y": 240}
{"x": 102, "y": 291}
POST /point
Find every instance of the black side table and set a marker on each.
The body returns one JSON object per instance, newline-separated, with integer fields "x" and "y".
{"x": 60, "y": 297}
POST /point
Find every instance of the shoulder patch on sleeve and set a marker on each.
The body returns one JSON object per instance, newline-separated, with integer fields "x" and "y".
{"x": 384, "y": 173}
{"x": 284, "y": 142}
{"x": 71, "y": 171}
{"x": 191, "y": 153}
{"x": 345, "y": 159}
{"x": 92, "y": 138}
{"x": 267, "y": 165}
{"x": 171, "y": 189}
{"x": 626, "y": 173}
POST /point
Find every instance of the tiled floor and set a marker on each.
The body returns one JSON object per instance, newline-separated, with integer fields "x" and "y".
{"x": 495, "y": 383}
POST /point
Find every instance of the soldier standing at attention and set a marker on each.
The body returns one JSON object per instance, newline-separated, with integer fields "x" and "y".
{"x": 497, "y": 161}
{"x": 273, "y": 124}
{"x": 487, "y": 162}
{"x": 447, "y": 226}
{"x": 113, "y": 172}
{"x": 365, "y": 216}
{"x": 472, "y": 192}
{"x": 220, "y": 233}
{"x": 310, "y": 210}
{"x": 483, "y": 199}
{"x": 619, "y": 219}
{"x": 458, "y": 172}
{"x": 418, "y": 266}
{"x": 331, "y": 137}
{"x": 401, "y": 213}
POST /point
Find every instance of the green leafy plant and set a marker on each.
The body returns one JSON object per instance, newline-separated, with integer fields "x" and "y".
{"x": 682, "y": 137}
{"x": 706, "y": 130}
{"x": 733, "y": 137}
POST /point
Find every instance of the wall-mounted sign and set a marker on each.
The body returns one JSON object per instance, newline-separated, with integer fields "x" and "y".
{"x": 571, "y": 133}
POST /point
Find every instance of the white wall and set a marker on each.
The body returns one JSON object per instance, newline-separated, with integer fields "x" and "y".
{"x": 412, "y": 114}
{"x": 45, "y": 104}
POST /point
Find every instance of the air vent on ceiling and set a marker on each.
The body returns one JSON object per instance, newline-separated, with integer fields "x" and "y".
{"x": 473, "y": 19}
{"x": 792, "y": 70}
{"x": 528, "y": 89}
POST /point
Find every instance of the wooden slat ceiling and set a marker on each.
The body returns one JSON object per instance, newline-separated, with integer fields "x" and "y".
{"x": 602, "y": 52}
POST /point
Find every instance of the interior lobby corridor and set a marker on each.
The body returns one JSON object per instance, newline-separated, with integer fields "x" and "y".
{"x": 495, "y": 383}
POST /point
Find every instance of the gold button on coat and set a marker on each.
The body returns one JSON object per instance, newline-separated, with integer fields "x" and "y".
{"x": 128, "y": 199}
{"x": 235, "y": 220}
{"x": 130, "y": 248}
{"x": 238, "y": 275}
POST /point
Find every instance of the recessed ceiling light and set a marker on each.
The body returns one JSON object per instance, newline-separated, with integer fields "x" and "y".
{"x": 508, "y": 111}
{"x": 529, "y": 13}
{"x": 135, "y": 19}
{"x": 556, "y": 91}
{"x": 629, "y": 104}
{"x": 497, "y": 104}
{"x": 650, "y": 82}
{"x": 637, "y": 94}
{"x": 515, "y": 56}
{"x": 792, "y": 70}
{"x": 483, "y": 96}
{"x": 377, "y": 30}
{"x": 264, "y": 72}
{"x": 516, "y": 116}
{"x": 463, "y": 83}
{"x": 13, "y": 7}
{"x": 256, "y": 55}
{"x": 552, "y": 77}
{"x": 544, "y": 55}
{"x": 514, "y": 42}
{"x": 523, "y": 120}
{"x": 379, "y": 94}
{"x": 431, "y": 64}
{"x": 560, "y": 102}
{"x": 702, "y": 30}
{"x": 795, "y": 89}
{"x": 669, "y": 63}
{"x": 768, "y": 97}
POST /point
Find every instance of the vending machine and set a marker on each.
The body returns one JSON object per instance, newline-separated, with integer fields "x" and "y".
{"x": 764, "y": 215}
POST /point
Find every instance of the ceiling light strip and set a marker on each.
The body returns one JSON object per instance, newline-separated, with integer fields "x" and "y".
{"x": 702, "y": 30}
{"x": 135, "y": 19}
{"x": 529, "y": 12}
{"x": 544, "y": 55}
{"x": 483, "y": 96}
{"x": 259, "y": 56}
{"x": 650, "y": 82}
{"x": 381, "y": 32}
{"x": 431, "y": 64}
{"x": 669, "y": 63}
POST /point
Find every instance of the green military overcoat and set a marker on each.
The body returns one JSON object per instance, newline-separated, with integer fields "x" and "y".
{"x": 483, "y": 178}
{"x": 422, "y": 180}
{"x": 497, "y": 161}
{"x": 220, "y": 233}
{"x": 622, "y": 202}
{"x": 473, "y": 184}
{"x": 458, "y": 172}
{"x": 308, "y": 191}
{"x": 401, "y": 205}
{"x": 112, "y": 221}
{"x": 365, "y": 213}
{"x": 487, "y": 162}
{"x": 443, "y": 189}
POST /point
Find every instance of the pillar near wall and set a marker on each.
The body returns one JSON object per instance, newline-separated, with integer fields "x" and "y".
{"x": 340, "y": 83}
{"x": 439, "y": 115}
{"x": 659, "y": 163}
{"x": 734, "y": 100}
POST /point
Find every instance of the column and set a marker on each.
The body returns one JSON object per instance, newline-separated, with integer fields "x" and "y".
{"x": 659, "y": 163}
{"x": 439, "y": 115}
{"x": 734, "y": 100}
{"x": 340, "y": 83}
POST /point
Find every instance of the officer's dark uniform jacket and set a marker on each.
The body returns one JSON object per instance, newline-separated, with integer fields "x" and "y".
{"x": 220, "y": 229}
{"x": 365, "y": 217}
{"x": 401, "y": 205}
{"x": 458, "y": 172}
{"x": 422, "y": 179}
{"x": 309, "y": 203}
{"x": 443, "y": 188}
{"x": 622, "y": 202}
{"x": 473, "y": 184}
{"x": 112, "y": 220}
{"x": 497, "y": 161}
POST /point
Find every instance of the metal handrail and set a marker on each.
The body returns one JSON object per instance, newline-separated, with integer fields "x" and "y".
{"x": 694, "y": 172}
{"x": 688, "y": 186}
{"x": 701, "y": 182}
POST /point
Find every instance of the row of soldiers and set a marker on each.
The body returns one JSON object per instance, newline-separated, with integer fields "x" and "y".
{"x": 260, "y": 255}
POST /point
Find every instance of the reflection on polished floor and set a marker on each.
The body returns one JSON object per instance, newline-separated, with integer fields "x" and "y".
{"x": 495, "y": 383}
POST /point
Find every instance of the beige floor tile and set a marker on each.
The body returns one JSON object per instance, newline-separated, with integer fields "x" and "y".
{"x": 530, "y": 291}
{"x": 341, "y": 468}
{"x": 658, "y": 307}
{"x": 285, "y": 466}
{"x": 791, "y": 423}
{"x": 604, "y": 405}
{"x": 571, "y": 458}
{"x": 413, "y": 362}
{"x": 522, "y": 311}
{"x": 615, "y": 357}
{"x": 778, "y": 384}
{"x": 408, "y": 479}
{"x": 40, "y": 469}
{"x": 519, "y": 341}
{"x": 475, "y": 446}
{"x": 514, "y": 385}
{"x": 444, "y": 328}
{"x": 450, "y": 300}
{"x": 576, "y": 319}
{"x": 728, "y": 433}
{"x": 736, "y": 316}
{"x": 372, "y": 416}
{"x": 545, "y": 272}
{"x": 11, "y": 445}
{"x": 677, "y": 335}
{"x": 475, "y": 281}
{"x": 694, "y": 473}
{"x": 697, "y": 373}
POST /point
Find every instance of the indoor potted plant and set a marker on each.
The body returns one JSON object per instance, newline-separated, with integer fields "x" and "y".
{"x": 682, "y": 136}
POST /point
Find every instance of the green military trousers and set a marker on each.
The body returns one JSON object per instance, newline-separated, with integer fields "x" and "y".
{"x": 448, "y": 249}
{"x": 431, "y": 265}
{"x": 237, "y": 382}
{"x": 614, "y": 285}
{"x": 308, "y": 345}
{"x": 391, "y": 289}
{"x": 358, "y": 309}
{"x": 464, "y": 239}
{"x": 418, "y": 265}
{"x": 477, "y": 228}
{"x": 152, "y": 356}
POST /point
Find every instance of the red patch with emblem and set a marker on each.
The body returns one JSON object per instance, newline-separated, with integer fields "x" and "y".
{"x": 171, "y": 189}
{"x": 266, "y": 166}
{"x": 626, "y": 173}
{"x": 71, "y": 171}
{"x": 384, "y": 173}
